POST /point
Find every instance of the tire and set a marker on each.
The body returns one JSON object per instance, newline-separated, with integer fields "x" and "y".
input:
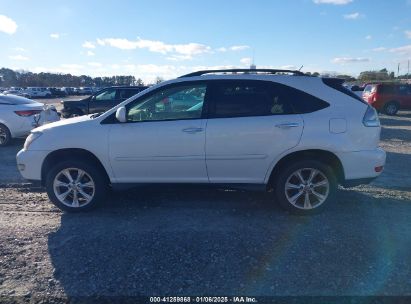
{"x": 90, "y": 189}
{"x": 391, "y": 108}
{"x": 5, "y": 135}
{"x": 293, "y": 197}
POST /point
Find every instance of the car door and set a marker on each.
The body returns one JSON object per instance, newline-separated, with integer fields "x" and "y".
{"x": 160, "y": 143}
{"x": 250, "y": 124}
{"x": 103, "y": 100}
{"x": 404, "y": 92}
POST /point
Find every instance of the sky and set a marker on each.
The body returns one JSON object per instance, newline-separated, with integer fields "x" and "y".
{"x": 168, "y": 38}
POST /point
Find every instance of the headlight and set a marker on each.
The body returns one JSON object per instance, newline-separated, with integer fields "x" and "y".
{"x": 32, "y": 137}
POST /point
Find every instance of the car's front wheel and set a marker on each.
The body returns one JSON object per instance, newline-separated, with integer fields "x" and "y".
{"x": 76, "y": 186}
{"x": 305, "y": 187}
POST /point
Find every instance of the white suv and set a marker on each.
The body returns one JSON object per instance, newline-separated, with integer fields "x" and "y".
{"x": 33, "y": 92}
{"x": 296, "y": 135}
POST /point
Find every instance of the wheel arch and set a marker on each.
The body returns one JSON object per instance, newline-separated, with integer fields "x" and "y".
{"x": 328, "y": 157}
{"x": 57, "y": 156}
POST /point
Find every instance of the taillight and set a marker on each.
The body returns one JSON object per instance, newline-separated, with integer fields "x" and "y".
{"x": 371, "y": 118}
{"x": 27, "y": 113}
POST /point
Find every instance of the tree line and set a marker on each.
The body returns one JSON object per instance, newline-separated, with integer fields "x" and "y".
{"x": 11, "y": 78}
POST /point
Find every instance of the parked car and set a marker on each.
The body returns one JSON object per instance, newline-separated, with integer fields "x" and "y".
{"x": 68, "y": 90}
{"x": 16, "y": 92}
{"x": 99, "y": 102}
{"x": 388, "y": 98}
{"x": 16, "y": 116}
{"x": 358, "y": 90}
{"x": 85, "y": 91}
{"x": 295, "y": 135}
{"x": 56, "y": 92}
{"x": 35, "y": 92}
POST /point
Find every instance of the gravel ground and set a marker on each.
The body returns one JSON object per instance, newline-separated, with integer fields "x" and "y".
{"x": 190, "y": 241}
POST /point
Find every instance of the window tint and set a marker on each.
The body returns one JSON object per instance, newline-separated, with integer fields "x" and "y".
{"x": 336, "y": 84}
{"x": 386, "y": 89}
{"x": 109, "y": 94}
{"x": 180, "y": 102}
{"x": 258, "y": 98}
{"x": 302, "y": 102}
{"x": 247, "y": 98}
{"x": 126, "y": 93}
{"x": 405, "y": 89}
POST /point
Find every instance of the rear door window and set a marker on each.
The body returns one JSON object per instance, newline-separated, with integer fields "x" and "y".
{"x": 246, "y": 98}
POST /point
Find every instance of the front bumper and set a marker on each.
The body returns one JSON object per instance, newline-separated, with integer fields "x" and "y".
{"x": 29, "y": 163}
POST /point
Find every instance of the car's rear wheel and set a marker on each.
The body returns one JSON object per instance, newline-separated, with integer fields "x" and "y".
{"x": 5, "y": 135}
{"x": 76, "y": 186}
{"x": 305, "y": 187}
{"x": 391, "y": 108}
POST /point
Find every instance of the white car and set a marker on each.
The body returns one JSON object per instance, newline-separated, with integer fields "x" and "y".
{"x": 34, "y": 92}
{"x": 16, "y": 116}
{"x": 296, "y": 135}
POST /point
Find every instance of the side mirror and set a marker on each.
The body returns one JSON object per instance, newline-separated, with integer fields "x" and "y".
{"x": 121, "y": 114}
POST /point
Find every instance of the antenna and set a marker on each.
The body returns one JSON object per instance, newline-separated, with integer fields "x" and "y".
{"x": 253, "y": 66}
{"x": 301, "y": 67}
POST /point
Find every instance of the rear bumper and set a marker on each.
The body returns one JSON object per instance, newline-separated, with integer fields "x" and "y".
{"x": 362, "y": 165}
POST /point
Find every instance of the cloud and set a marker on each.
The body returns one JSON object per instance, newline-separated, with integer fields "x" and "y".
{"x": 88, "y": 45}
{"x": 19, "y": 58}
{"x": 352, "y": 16}
{"x": 20, "y": 49}
{"x": 181, "y": 51}
{"x": 246, "y": 60}
{"x": 95, "y": 64}
{"x": 403, "y": 50}
{"x": 239, "y": 47}
{"x": 7, "y": 25}
{"x": 408, "y": 34}
{"x": 344, "y": 60}
{"x": 368, "y": 37}
{"x": 55, "y": 35}
{"x": 379, "y": 49}
{"x": 73, "y": 66}
{"x": 334, "y": 2}
{"x": 90, "y": 53}
{"x": 221, "y": 49}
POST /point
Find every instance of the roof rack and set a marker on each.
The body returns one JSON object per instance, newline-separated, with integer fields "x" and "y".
{"x": 247, "y": 71}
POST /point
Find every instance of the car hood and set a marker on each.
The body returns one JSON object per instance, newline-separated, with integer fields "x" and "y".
{"x": 64, "y": 122}
{"x": 75, "y": 101}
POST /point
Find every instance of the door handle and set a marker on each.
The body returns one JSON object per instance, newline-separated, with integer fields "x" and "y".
{"x": 288, "y": 125}
{"x": 192, "y": 130}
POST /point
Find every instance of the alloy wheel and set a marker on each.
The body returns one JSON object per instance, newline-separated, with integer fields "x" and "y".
{"x": 3, "y": 136}
{"x": 74, "y": 187}
{"x": 307, "y": 188}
